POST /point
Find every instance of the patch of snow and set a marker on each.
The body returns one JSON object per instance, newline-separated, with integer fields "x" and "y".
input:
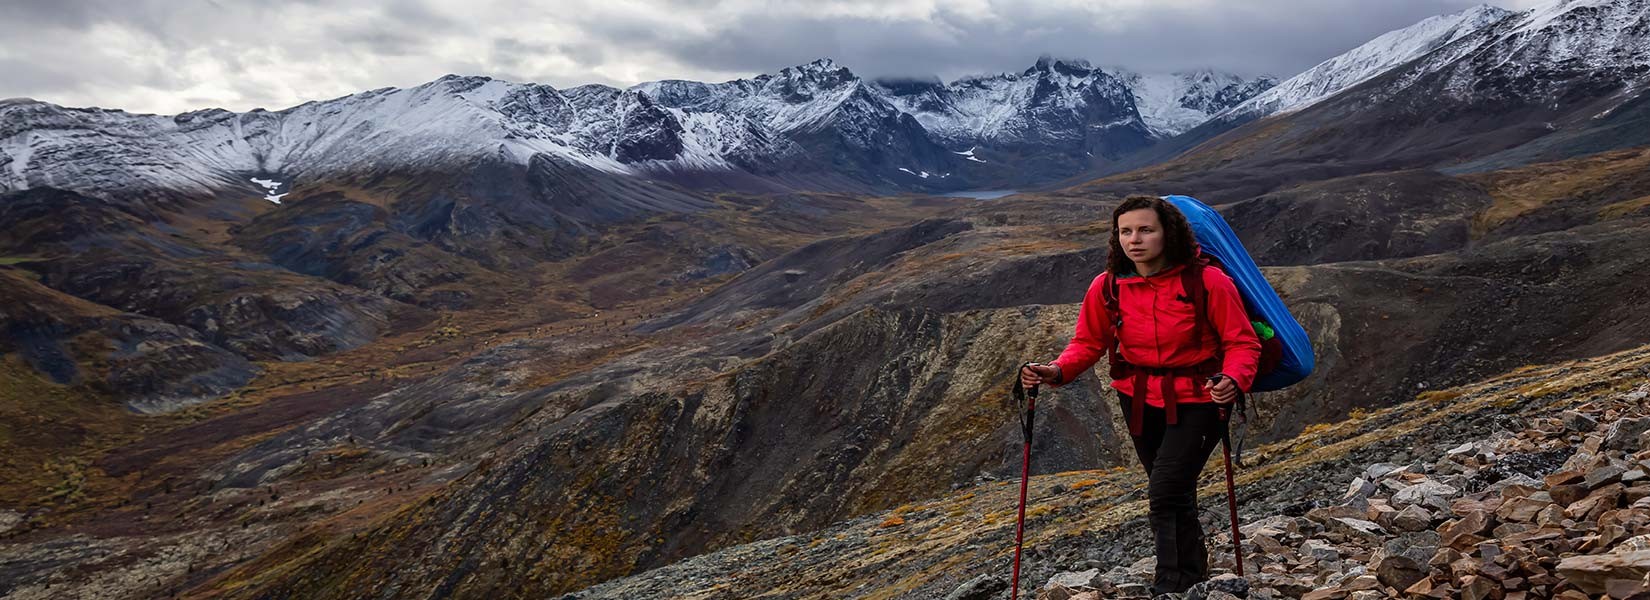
{"x": 270, "y": 186}
{"x": 20, "y": 151}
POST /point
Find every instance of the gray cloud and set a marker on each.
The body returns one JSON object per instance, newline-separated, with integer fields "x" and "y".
{"x": 168, "y": 56}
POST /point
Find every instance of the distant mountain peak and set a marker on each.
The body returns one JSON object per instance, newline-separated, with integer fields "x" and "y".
{"x": 1073, "y": 67}
{"x": 1370, "y": 59}
{"x": 1172, "y": 103}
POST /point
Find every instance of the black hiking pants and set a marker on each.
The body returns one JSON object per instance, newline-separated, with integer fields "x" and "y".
{"x": 1173, "y": 456}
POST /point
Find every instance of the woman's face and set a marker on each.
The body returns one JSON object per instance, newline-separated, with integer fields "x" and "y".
{"x": 1141, "y": 236}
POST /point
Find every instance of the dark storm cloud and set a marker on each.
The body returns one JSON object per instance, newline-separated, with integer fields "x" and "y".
{"x": 168, "y": 55}
{"x": 1281, "y": 38}
{"x": 376, "y": 40}
{"x": 48, "y": 13}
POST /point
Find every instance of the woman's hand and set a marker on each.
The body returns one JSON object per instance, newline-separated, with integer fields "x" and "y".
{"x": 1221, "y": 389}
{"x": 1040, "y": 374}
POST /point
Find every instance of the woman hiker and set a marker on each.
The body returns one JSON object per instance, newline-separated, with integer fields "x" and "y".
{"x": 1172, "y": 373}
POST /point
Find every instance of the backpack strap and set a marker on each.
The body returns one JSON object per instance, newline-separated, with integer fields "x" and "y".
{"x": 1109, "y": 293}
{"x": 1191, "y": 280}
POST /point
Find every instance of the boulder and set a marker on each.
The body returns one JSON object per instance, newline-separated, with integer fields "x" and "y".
{"x": 1593, "y": 573}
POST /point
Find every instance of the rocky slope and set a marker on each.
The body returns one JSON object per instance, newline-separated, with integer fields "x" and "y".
{"x": 1328, "y": 513}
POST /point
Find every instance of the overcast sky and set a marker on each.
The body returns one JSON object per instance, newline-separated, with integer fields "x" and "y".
{"x": 169, "y": 56}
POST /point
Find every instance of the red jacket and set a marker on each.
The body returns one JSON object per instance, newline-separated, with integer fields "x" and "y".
{"x": 1158, "y": 332}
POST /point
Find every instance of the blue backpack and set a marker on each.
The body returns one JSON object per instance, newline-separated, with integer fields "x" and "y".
{"x": 1286, "y": 355}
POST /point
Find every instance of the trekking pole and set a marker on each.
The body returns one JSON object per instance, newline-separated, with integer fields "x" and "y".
{"x": 1026, "y": 417}
{"x": 1231, "y": 502}
{"x": 1231, "y": 488}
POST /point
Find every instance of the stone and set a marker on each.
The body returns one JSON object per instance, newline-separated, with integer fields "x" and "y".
{"x": 1626, "y": 588}
{"x": 1456, "y": 533}
{"x": 1594, "y": 505}
{"x": 1076, "y": 579}
{"x": 1277, "y": 524}
{"x": 1602, "y": 476}
{"x": 1324, "y": 514}
{"x": 1055, "y": 591}
{"x": 1419, "y": 546}
{"x": 984, "y": 587}
{"x": 1521, "y": 509}
{"x": 1360, "y": 488}
{"x": 1286, "y": 585}
{"x": 1378, "y": 470}
{"x": 1267, "y": 544}
{"x": 1517, "y": 480}
{"x": 1412, "y": 518}
{"x": 1428, "y": 493}
{"x": 1463, "y": 567}
{"x": 1577, "y": 421}
{"x": 1623, "y": 434}
{"x": 1462, "y": 506}
{"x": 1381, "y": 514}
{"x": 1474, "y": 587}
{"x": 1488, "y": 551}
{"x": 1398, "y": 571}
{"x": 1132, "y": 590}
{"x": 1552, "y": 515}
{"x": 1361, "y": 583}
{"x": 1535, "y": 535}
{"x": 1356, "y": 529}
{"x": 1329, "y": 593}
{"x": 1517, "y": 491}
{"x": 1634, "y": 476}
{"x": 1565, "y": 495}
{"x": 1226, "y": 583}
{"x": 1591, "y": 573}
{"x": 1506, "y": 529}
{"x": 1564, "y": 477}
{"x": 1443, "y": 557}
{"x": 1319, "y": 550}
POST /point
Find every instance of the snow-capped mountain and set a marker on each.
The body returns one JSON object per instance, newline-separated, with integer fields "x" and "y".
{"x": 814, "y": 118}
{"x": 450, "y": 121}
{"x": 814, "y": 126}
{"x": 1561, "y": 80}
{"x": 1540, "y": 54}
{"x": 1369, "y": 60}
{"x": 824, "y": 113}
{"x": 1058, "y": 102}
{"x": 1171, "y": 103}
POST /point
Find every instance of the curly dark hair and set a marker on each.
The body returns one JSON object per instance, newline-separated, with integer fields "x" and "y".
{"x": 1179, "y": 243}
